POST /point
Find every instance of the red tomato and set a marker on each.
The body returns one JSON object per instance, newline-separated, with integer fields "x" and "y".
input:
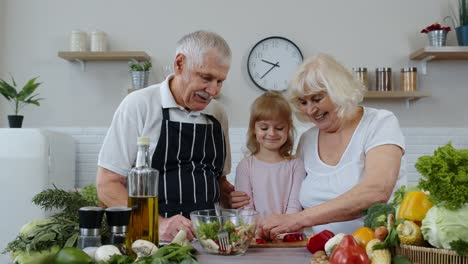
{"x": 293, "y": 237}
{"x": 349, "y": 252}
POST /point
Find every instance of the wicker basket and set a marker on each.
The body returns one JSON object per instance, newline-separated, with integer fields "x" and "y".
{"x": 424, "y": 255}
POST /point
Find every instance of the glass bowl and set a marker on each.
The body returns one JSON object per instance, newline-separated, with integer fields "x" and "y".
{"x": 239, "y": 224}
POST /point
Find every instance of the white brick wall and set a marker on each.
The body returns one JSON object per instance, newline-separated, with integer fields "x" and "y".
{"x": 419, "y": 141}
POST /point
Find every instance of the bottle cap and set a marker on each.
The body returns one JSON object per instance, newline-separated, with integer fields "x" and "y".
{"x": 90, "y": 217}
{"x": 118, "y": 216}
{"x": 143, "y": 140}
{"x": 360, "y": 69}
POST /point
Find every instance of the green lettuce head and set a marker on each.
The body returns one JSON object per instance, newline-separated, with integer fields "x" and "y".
{"x": 442, "y": 226}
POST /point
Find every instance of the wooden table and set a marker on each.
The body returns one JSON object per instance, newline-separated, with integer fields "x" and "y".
{"x": 258, "y": 256}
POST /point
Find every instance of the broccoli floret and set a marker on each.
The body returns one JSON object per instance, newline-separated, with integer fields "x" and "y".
{"x": 377, "y": 215}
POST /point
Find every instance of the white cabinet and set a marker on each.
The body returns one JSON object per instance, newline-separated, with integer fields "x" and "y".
{"x": 31, "y": 160}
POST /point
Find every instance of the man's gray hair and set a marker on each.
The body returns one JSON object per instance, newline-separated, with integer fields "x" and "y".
{"x": 196, "y": 44}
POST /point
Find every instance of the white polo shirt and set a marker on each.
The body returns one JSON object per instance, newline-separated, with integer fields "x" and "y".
{"x": 140, "y": 114}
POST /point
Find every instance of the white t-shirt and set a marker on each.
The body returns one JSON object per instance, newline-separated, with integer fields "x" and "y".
{"x": 140, "y": 114}
{"x": 272, "y": 187}
{"x": 324, "y": 182}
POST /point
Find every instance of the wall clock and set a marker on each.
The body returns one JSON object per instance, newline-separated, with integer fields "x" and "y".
{"x": 272, "y": 62}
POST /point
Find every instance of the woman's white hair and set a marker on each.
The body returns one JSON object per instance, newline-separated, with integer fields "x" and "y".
{"x": 196, "y": 44}
{"x": 323, "y": 73}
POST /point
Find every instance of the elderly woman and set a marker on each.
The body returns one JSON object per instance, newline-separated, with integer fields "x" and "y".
{"x": 352, "y": 156}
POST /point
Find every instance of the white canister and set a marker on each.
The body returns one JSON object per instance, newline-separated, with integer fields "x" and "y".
{"x": 77, "y": 40}
{"x": 98, "y": 41}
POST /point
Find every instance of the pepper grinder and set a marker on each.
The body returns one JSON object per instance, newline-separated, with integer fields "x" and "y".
{"x": 90, "y": 226}
{"x": 117, "y": 219}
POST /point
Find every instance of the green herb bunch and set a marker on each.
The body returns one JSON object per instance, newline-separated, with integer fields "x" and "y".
{"x": 59, "y": 230}
{"x": 169, "y": 254}
{"x": 22, "y": 97}
{"x": 139, "y": 66}
{"x": 445, "y": 176}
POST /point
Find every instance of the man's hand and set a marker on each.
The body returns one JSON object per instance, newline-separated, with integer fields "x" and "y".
{"x": 225, "y": 188}
{"x": 169, "y": 227}
{"x": 238, "y": 199}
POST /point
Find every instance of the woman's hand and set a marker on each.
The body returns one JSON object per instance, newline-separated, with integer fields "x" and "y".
{"x": 274, "y": 225}
{"x": 239, "y": 199}
{"x": 169, "y": 227}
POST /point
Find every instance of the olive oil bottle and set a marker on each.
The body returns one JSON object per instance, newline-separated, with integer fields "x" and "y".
{"x": 143, "y": 197}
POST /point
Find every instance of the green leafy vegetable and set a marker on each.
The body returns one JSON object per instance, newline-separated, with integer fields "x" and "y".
{"x": 208, "y": 230}
{"x": 442, "y": 226}
{"x": 445, "y": 176}
{"x": 377, "y": 215}
{"x": 460, "y": 246}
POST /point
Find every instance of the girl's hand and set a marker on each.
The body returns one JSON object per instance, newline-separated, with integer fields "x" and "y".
{"x": 239, "y": 199}
{"x": 274, "y": 225}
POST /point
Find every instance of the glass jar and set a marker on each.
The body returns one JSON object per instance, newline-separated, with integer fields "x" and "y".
{"x": 409, "y": 79}
{"x": 383, "y": 79}
{"x": 360, "y": 74}
{"x": 77, "y": 40}
{"x": 98, "y": 41}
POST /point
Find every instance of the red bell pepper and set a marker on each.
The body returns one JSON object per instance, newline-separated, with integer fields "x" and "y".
{"x": 293, "y": 237}
{"x": 317, "y": 242}
{"x": 349, "y": 252}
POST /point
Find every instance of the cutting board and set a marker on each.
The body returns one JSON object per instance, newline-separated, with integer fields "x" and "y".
{"x": 279, "y": 244}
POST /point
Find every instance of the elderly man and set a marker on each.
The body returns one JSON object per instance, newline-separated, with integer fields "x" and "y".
{"x": 188, "y": 133}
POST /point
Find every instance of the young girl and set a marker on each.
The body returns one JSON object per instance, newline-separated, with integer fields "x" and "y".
{"x": 270, "y": 176}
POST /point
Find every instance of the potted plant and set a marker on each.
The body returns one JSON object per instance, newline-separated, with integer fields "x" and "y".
{"x": 436, "y": 34}
{"x": 461, "y": 28}
{"x": 140, "y": 73}
{"x": 19, "y": 98}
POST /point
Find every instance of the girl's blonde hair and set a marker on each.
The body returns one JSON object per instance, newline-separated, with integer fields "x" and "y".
{"x": 323, "y": 73}
{"x": 271, "y": 106}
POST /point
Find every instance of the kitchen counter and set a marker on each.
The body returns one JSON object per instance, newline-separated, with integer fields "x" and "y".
{"x": 258, "y": 256}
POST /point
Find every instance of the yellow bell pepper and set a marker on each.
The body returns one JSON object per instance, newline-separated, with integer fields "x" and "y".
{"x": 414, "y": 206}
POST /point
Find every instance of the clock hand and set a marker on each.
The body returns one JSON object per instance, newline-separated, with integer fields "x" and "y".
{"x": 277, "y": 65}
{"x": 272, "y": 67}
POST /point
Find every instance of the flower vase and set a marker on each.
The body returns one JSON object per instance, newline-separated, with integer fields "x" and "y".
{"x": 462, "y": 35}
{"x": 437, "y": 38}
{"x": 139, "y": 79}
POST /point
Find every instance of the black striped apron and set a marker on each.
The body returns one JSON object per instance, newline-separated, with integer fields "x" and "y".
{"x": 190, "y": 159}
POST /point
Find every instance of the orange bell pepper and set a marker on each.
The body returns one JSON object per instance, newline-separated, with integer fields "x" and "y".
{"x": 363, "y": 235}
{"x": 414, "y": 206}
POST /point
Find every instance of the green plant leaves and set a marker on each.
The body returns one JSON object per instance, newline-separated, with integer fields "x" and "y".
{"x": 139, "y": 66}
{"x": 24, "y": 96}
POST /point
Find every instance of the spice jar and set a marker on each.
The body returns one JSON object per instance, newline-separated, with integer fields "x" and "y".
{"x": 409, "y": 76}
{"x": 360, "y": 74}
{"x": 383, "y": 79}
{"x": 98, "y": 41}
{"x": 77, "y": 40}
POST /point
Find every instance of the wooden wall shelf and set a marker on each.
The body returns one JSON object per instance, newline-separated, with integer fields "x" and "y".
{"x": 441, "y": 53}
{"x": 395, "y": 95}
{"x": 103, "y": 55}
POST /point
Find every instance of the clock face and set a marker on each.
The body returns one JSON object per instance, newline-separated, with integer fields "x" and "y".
{"x": 272, "y": 62}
